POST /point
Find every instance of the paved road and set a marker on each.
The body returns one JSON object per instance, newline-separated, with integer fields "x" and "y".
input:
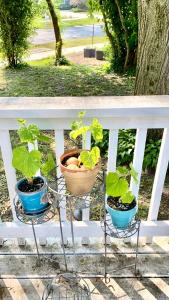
{"x": 43, "y": 36}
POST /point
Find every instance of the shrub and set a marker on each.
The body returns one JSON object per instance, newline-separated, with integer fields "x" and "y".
{"x": 126, "y": 147}
{"x": 15, "y": 28}
{"x": 151, "y": 154}
{"x": 63, "y": 61}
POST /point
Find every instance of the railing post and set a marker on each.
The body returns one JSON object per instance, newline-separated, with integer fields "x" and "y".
{"x": 6, "y": 150}
{"x": 138, "y": 158}
{"x": 59, "y": 149}
{"x": 138, "y": 163}
{"x": 86, "y": 211}
{"x": 112, "y": 151}
{"x": 112, "y": 160}
{"x": 160, "y": 175}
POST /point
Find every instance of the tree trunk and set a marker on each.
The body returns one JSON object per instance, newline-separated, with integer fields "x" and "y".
{"x": 56, "y": 31}
{"x": 125, "y": 34}
{"x": 112, "y": 38}
{"x": 153, "y": 49}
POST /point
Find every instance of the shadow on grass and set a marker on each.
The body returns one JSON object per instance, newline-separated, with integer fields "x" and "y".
{"x": 43, "y": 79}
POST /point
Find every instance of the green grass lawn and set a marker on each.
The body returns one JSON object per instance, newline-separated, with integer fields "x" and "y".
{"x": 42, "y": 78}
{"x": 40, "y": 23}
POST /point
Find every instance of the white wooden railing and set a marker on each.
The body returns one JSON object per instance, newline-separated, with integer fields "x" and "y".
{"x": 141, "y": 113}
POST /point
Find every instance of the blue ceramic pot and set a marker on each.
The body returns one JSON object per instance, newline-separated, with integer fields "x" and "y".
{"x": 121, "y": 219}
{"x": 33, "y": 202}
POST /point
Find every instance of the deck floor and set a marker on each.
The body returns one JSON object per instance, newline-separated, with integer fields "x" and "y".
{"x": 152, "y": 283}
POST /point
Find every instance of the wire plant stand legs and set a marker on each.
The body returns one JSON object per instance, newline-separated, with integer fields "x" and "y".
{"x": 36, "y": 245}
{"x": 110, "y": 230}
{"x": 69, "y": 285}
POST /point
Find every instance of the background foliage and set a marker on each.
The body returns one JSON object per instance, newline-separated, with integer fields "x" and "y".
{"x": 15, "y": 28}
{"x": 121, "y": 26}
{"x": 126, "y": 145}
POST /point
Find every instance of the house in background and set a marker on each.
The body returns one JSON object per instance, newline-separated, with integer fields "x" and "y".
{"x": 66, "y": 4}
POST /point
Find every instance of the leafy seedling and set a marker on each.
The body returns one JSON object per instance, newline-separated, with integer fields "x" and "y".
{"x": 117, "y": 184}
{"x": 92, "y": 157}
{"x": 29, "y": 162}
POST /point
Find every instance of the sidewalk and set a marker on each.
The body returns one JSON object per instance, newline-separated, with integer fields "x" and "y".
{"x": 41, "y": 53}
{"x": 38, "y": 54}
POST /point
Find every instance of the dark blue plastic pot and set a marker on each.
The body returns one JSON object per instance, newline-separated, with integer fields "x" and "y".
{"x": 35, "y": 202}
{"x": 121, "y": 219}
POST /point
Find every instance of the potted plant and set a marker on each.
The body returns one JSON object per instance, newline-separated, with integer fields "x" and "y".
{"x": 121, "y": 203}
{"x": 32, "y": 189}
{"x": 80, "y": 167}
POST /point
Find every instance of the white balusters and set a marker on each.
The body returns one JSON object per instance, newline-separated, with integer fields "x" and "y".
{"x": 112, "y": 151}
{"x": 6, "y": 150}
{"x": 138, "y": 158}
{"x": 138, "y": 163}
{"x": 159, "y": 177}
{"x": 86, "y": 211}
{"x": 59, "y": 149}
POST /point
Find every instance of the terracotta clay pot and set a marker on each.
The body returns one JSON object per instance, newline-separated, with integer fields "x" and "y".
{"x": 78, "y": 182}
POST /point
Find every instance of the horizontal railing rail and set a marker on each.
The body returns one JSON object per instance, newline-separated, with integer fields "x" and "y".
{"x": 128, "y": 112}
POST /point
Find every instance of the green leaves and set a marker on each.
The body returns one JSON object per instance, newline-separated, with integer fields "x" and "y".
{"x": 96, "y": 130}
{"x": 90, "y": 158}
{"x": 16, "y": 18}
{"x": 49, "y": 165}
{"x": 117, "y": 184}
{"x": 122, "y": 170}
{"x": 28, "y": 163}
{"x": 127, "y": 198}
{"x": 79, "y": 129}
{"x": 44, "y": 138}
{"x": 77, "y": 132}
{"x": 31, "y": 133}
{"x": 28, "y": 134}
{"x": 77, "y": 124}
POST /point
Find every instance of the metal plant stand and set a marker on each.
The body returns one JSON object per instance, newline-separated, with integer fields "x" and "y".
{"x": 65, "y": 286}
{"x": 70, "y": 285}
{"x": 35, "y": 219}
{"x": 110, "y": 230}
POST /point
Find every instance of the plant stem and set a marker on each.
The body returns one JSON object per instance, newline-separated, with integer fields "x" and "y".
{"x": 30, "y": 180}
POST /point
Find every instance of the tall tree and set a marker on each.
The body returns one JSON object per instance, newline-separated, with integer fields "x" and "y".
{"x": 153, "y": 49}
{"x": 15, "y": 28}
{"x": 57, "y": 32}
